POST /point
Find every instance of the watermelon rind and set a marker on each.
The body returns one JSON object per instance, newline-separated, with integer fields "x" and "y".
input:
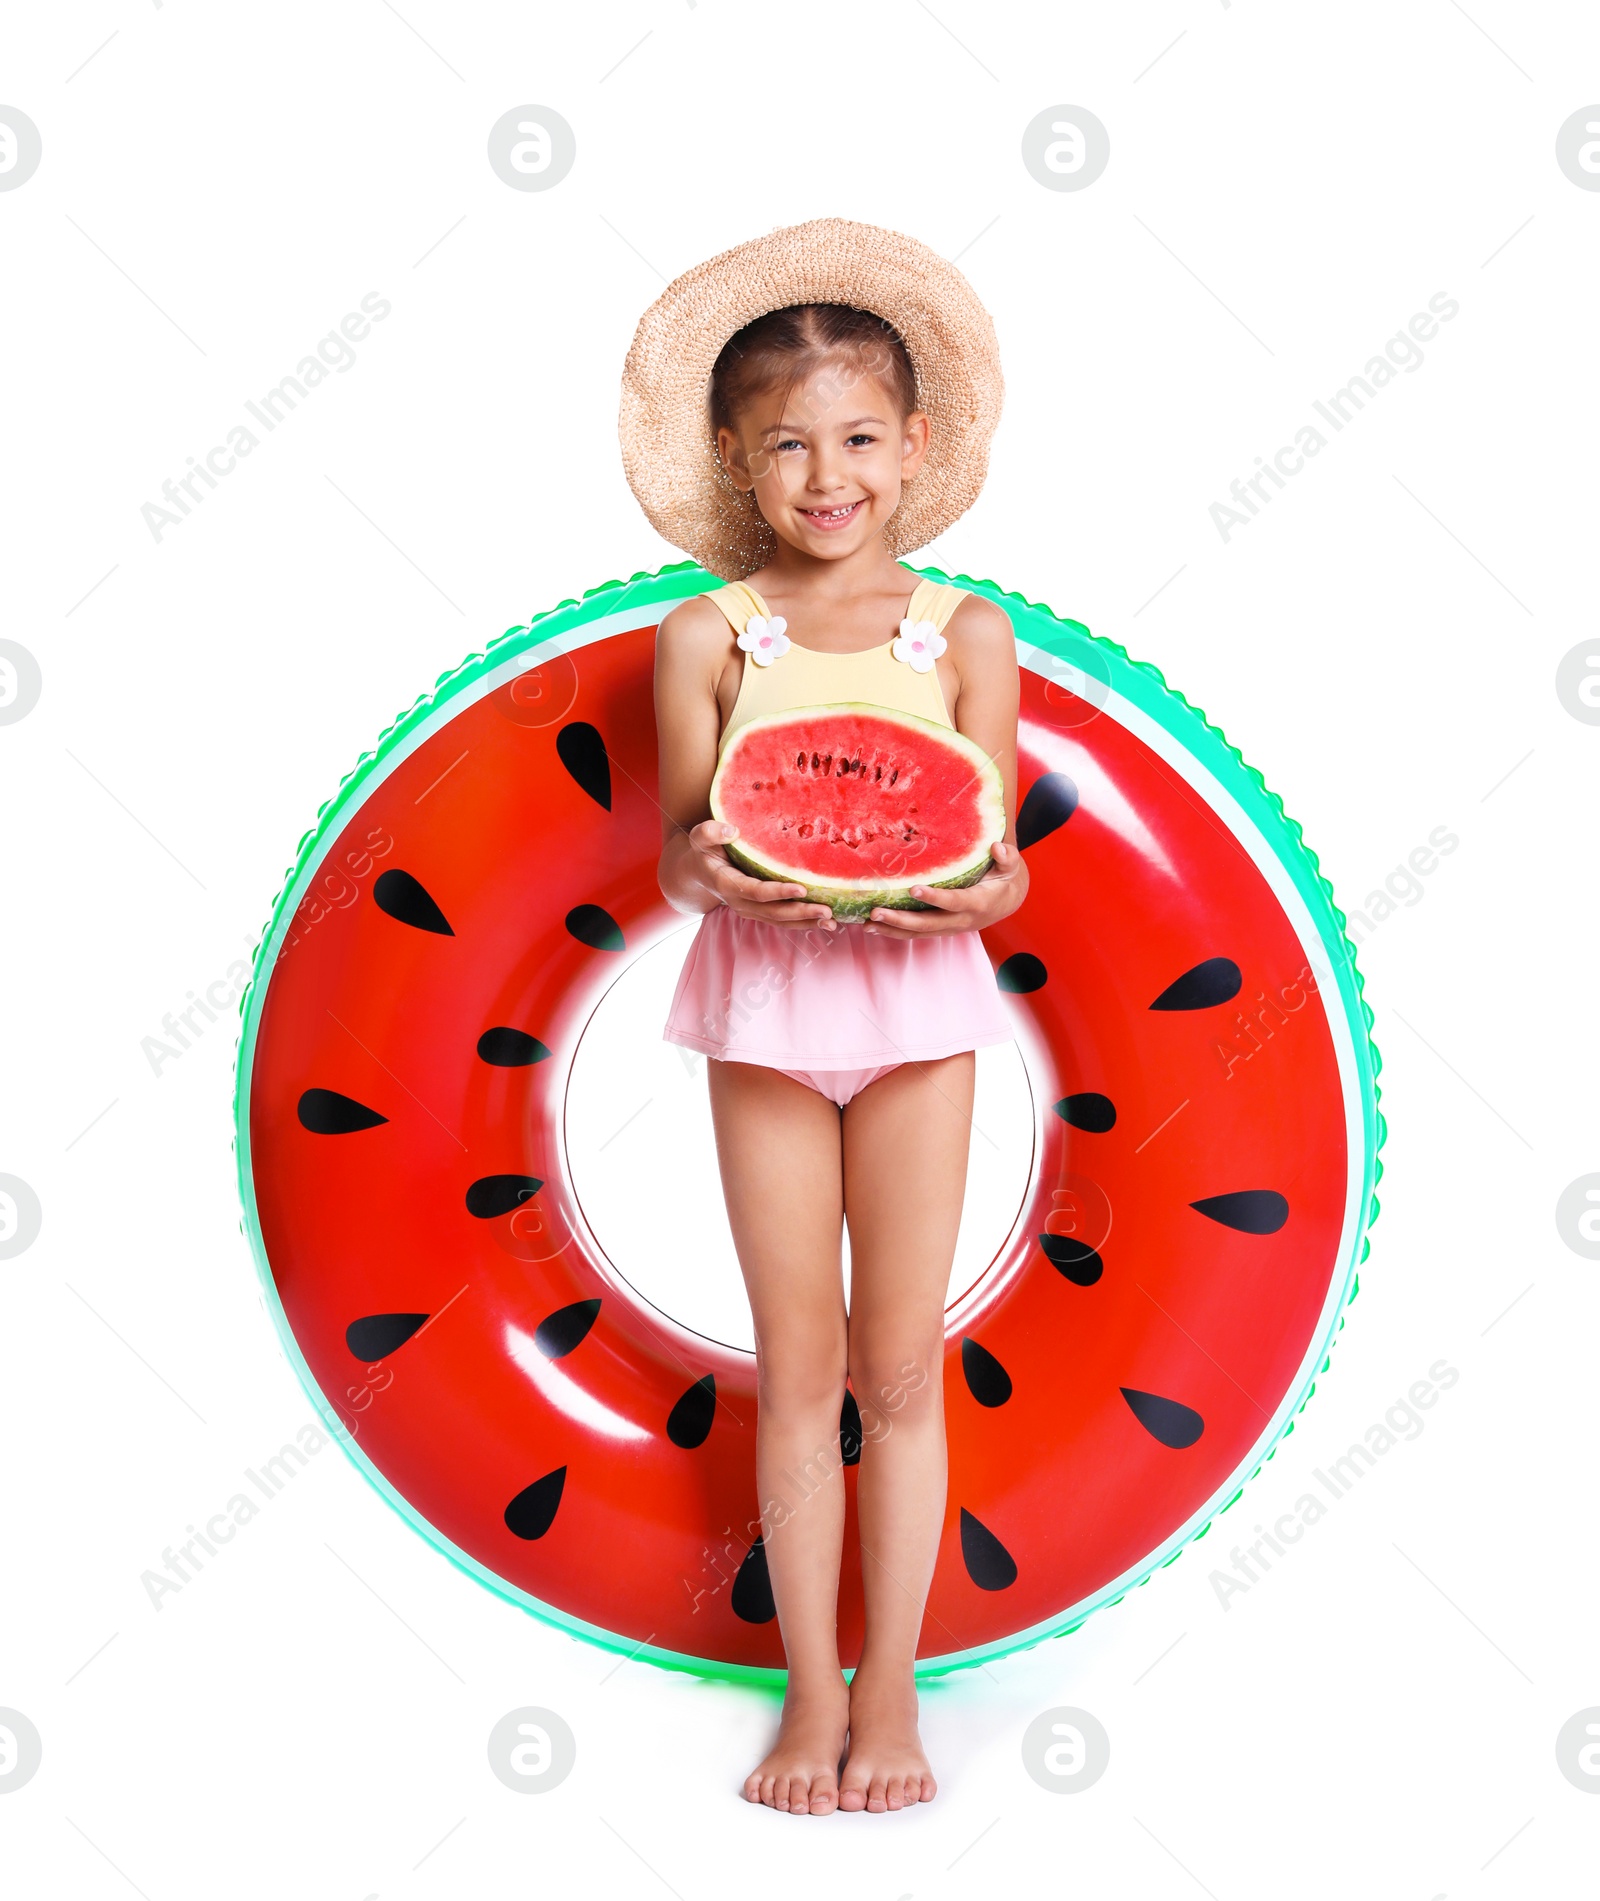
{"x": 613, "y": 605}
{"x": 850, "y": 899}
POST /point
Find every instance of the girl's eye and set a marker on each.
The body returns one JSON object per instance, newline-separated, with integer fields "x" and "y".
{"x": 859, "y": 438}
{"x": 788, "y": 443}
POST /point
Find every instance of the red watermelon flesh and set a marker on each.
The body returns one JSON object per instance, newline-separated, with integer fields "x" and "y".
{"x": 858, "y": 803}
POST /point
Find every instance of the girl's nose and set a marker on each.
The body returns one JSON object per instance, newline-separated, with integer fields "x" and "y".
{"x": 825, "y": 472}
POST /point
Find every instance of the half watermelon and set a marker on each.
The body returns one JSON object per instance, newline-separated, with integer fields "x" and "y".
{"x": 858, "y": 803}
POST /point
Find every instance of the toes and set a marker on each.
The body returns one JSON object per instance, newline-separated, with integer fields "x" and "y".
{"x": 823, "y": 1799}
{"x": 877, "y": 1795}
{"x": 752, "y": 1786}
{"x": 894, "y": 1792}
{"x": 767, "y": 1790}
{"x": 852, "y": 1797}
{"x": 929, "y": 1787}
{"x": 780, "y": 1792}
{"x": 799, "y": 1795}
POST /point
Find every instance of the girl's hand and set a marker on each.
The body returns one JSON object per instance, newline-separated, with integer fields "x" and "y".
{"x": 763, "y": 898}
{"x": 995, "y": 896}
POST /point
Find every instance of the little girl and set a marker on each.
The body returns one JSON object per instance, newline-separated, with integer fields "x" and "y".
{"x": 846, "y": 423}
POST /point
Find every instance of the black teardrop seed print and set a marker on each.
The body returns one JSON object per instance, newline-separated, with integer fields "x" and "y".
{"x": 558, "y": 1333}
{"x": 1164, "y": 1419}
{"x": 375, "y": 1336}
{"x": 850, "y": 1429}
{"x": 1074, "y": 1260}
{"x": 987, "y": 1380}
{"x": 583, "y": 752}
{"x": 533, "y": 1511}
{"x": 989, "y": 1565}
{"x": 752, "y": 1588}
{"x": 593, "y": 925}
{"x": 1216, "y": 980}
{"x": 510, "y": 1049}
{"x": 499, "y": 1194}
{"x": 326, "y": 1112}
{"x": 689, "y": 1422}
{"x": 1089, "y": 1112}
{"x": 1249, "y": 1210}
{"x": 399, "y": 895}
{"x": 1021, "y": 973}
{"x": 1051, "y": 801}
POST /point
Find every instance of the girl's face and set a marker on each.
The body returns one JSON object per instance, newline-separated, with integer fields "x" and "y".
{"x": 826, "y": 458}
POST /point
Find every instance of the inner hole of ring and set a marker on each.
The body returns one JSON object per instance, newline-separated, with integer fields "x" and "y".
{"x": 642, "y": 1163}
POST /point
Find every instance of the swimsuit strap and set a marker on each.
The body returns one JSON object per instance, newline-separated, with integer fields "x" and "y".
{"x": 737, "y": 603}
{"x": 935, "y": 601}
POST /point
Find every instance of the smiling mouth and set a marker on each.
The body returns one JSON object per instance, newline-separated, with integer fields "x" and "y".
{"x": 833, "y": 517}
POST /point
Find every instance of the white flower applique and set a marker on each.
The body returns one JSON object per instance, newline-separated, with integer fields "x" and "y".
{"x": 919, "y": 643}
{"x": 765, "y": 640}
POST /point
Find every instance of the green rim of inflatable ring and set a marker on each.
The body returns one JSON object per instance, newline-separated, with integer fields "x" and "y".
{"x": 1036, "y": 626}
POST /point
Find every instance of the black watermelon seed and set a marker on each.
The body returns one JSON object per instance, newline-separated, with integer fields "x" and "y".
{"x": 987, "y": 1380}
{"x": 689, "y": 1422}
{"x": 1021, "y": 973}
{"x": 752, "y": 1588}
{"x": 510, "y": 1049}
{"x": 1164, "y": 1419}
{"x": 533, "y": 1511}
{"x": 399, "y": 894}
{"x": 593, "y": 925}
{"x": 499, "y": 1194}
{"x": 1051, "y": 801}
{"x": 1092, "y": 1113}
{"x": 850, "y": 1429}
{"x": 375, "y": 1336}
{"x": 583, "y": 752}
{"x": 558, "y": 1333}
{"x": 1078, "y": 1263}
{"x": 1216, "y": 980}
{"x": 1250, "y": 1210}
{"x": 326, "y": 1112}
{"x": 989, "y": 1565}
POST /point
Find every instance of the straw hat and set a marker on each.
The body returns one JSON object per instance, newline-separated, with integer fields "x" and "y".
{"x": 668, "y": 447}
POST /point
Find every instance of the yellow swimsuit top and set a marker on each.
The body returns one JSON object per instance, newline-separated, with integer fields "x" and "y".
{"x": 803, "y": 676}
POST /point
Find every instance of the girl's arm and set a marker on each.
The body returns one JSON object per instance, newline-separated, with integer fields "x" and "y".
{"x": 987, "y": 698}
{"x": 695, "y": 873}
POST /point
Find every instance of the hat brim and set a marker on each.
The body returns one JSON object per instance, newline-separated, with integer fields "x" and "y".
{"x": 668, "y": 450}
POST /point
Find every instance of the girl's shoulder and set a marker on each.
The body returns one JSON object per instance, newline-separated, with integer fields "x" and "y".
{"x": 977, "y": 621}
{"x": 698, "y": 619}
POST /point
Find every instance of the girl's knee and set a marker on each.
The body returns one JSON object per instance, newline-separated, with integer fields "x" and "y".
{"x": 791, "y": 1385}
{"x": 894, "y": 1386}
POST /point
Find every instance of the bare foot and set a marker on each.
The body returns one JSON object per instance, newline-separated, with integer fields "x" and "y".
{"x": 800, "y": 1773}
{"x": 886, "y": 1768}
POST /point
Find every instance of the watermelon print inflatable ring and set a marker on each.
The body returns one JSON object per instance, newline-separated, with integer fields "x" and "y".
{"x": 1205, "y": 1150}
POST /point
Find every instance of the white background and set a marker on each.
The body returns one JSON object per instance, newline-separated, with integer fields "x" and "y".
{"x": 1287, "y": 186}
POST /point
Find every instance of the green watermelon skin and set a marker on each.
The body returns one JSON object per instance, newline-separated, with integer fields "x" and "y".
{"x": 1205, "y": 1154}
{"x": 960, "y": 797}
{"x": 849, "y": 908}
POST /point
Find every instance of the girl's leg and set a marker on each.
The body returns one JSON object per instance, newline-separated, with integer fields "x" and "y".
{"x": 778, "y": 1146}
{"x": 906, "y": 1139}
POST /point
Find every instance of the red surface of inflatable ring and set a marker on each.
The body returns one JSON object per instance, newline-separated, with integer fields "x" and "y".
{"x": 1206, "y": 1136}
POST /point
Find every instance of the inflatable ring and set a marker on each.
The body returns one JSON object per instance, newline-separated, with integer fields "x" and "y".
{"x": 1206, "y": 1137}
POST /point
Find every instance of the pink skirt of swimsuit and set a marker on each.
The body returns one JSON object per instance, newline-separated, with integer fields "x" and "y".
{"x": 817, "y": 1000}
